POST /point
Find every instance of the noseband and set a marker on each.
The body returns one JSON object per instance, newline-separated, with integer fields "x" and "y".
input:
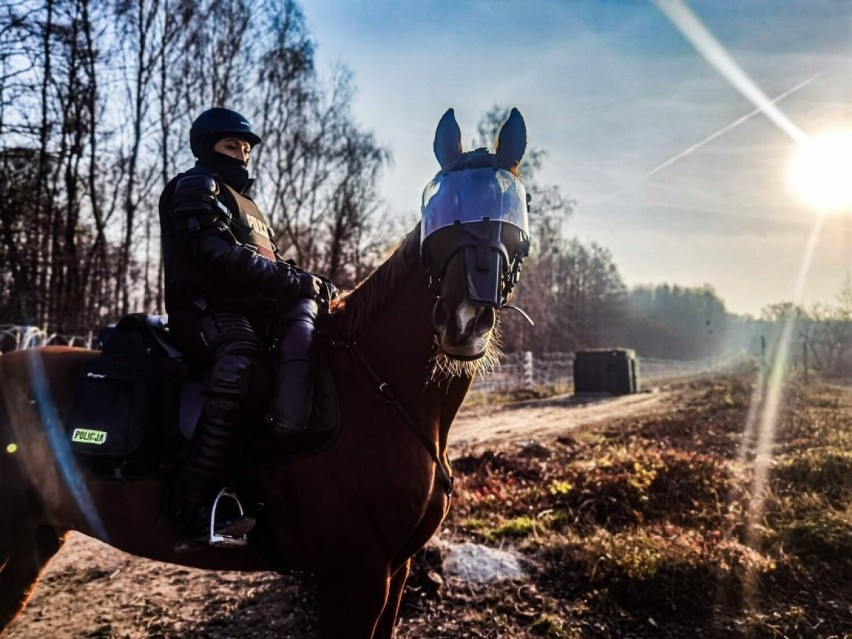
{"x": 480, "y": 249}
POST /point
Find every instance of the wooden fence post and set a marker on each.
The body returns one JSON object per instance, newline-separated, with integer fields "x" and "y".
{"x": 528, "y": 371}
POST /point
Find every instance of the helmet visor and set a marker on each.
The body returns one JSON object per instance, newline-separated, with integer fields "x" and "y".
{"x": 472, "y": 195}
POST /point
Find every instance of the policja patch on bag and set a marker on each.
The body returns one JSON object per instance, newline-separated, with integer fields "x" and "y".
{"x": 109, "y": 412}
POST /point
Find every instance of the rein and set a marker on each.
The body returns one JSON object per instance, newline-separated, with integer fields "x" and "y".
{"x": 387, "y": 395}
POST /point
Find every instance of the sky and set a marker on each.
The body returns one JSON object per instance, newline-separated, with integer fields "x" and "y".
{"x": 610, "y": 91}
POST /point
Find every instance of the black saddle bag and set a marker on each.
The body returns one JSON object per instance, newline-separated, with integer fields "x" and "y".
{"x": 110, "y": 411}
{"x": 126, "y": 397}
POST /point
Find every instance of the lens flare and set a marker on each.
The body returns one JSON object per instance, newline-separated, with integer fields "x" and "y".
{"x": 762, "y": 420}
{"x": 60, "y": 446}
{"x": 699, "y": 37}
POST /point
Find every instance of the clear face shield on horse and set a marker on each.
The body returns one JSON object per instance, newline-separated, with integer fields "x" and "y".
{"x": 474, "y": 238}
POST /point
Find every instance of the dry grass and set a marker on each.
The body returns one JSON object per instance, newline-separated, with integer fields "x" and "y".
{"x": 640, "y": 529}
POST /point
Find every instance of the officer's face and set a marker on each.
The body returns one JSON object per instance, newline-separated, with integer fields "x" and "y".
{"x": 235, "y": 148}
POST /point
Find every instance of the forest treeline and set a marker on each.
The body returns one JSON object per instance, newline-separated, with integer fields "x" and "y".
{"x": 96, "y": 99}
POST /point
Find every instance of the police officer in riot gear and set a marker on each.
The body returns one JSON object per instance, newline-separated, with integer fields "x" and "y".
{"x": 229, "y": 294}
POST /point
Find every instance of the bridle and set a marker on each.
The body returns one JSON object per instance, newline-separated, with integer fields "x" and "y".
{"x": 478, "y": 212}
{"x": 481, "y": 246}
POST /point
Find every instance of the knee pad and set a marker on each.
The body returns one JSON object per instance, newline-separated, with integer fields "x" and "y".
{"x": 298, "y": 325}
{"x": 219, "y": 327}
{"x": 229, "y": 376}
{"x": 238, "y": 369}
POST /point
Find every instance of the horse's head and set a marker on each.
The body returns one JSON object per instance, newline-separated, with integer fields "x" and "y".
{"x": 474, "y": 234}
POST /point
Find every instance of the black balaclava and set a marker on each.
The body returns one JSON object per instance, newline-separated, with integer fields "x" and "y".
{"x": 231, "y": 170}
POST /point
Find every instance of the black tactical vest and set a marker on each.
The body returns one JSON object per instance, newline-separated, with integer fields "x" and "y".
{"x": 247, "y": 222}
{"x": 189, "y": 285}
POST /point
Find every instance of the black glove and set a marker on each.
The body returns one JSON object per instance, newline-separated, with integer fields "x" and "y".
{"x": 332, "y": 291}
{"x": 309, "y": 286}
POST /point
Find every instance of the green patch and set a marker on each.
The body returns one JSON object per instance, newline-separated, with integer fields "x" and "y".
{"x": 517, "y": 528}
{"x": 88, "y": 436}
{"x": 548, "y": 626}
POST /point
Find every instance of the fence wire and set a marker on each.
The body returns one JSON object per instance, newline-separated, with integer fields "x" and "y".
{"x": 15, "y": 337}
{"x": 525, "y": 371}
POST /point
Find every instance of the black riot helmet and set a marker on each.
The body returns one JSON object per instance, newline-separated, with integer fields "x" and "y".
{"x": 215, "y": 124}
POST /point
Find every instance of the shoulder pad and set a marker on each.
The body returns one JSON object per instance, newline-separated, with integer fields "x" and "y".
{"x": 201, "y": 184}
{"x": 195, "y": 192}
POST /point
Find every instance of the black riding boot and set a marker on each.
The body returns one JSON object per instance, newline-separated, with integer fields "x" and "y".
{"x": 203, "y": 476}
{"x": 295, "y": 371}
{"x": 233, "y": 387}
{"x": 205, "y": 473}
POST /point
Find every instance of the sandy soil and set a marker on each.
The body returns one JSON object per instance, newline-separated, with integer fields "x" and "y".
{"x": 90, "y": 590}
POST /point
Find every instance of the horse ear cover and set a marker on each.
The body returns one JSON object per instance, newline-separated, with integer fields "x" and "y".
{"x": 512, "y": 141}
{"x": 448, "y": 147}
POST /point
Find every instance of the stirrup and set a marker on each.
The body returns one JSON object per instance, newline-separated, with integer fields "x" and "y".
{"x": 225, "y": 541}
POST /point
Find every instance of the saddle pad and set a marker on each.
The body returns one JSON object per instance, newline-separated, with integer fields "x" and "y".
{"x": 322, "y": 428}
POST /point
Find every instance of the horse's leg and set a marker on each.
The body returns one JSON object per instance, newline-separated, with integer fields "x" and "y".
{"x": 23, "y": 563}
{"x": 350, "y": 603}
{"x": 384, "y": 629}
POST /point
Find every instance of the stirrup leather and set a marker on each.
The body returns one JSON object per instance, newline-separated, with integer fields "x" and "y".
{"x": 226, "y": 541}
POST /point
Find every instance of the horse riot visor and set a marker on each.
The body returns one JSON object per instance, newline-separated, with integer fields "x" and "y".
{"x": 483, "y": 212}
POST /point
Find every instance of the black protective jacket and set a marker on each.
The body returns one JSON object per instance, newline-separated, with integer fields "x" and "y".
{"x": 218, "y": 251}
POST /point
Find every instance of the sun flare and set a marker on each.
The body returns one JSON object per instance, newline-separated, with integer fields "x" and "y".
{"x": 821, "y": 171}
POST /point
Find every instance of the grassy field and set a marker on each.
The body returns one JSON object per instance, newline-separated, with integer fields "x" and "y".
{"x": 666, "y": 526}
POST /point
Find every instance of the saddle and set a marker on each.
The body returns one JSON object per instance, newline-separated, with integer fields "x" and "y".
{"x": 135, "y": 405}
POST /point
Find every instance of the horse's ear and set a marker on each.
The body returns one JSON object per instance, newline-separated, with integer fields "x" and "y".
{"x": 448, "y": 146}
{"x": 512, "y": 141}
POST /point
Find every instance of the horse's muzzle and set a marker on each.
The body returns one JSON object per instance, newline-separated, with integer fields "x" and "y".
{"x": 463, "y": 331}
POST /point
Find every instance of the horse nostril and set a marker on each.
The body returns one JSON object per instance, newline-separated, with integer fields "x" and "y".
{"x": 485, "y": 320}
{"x": 439, "y": 315}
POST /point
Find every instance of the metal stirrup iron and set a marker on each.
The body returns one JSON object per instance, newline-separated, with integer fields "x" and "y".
{"x": 226, "y": 541}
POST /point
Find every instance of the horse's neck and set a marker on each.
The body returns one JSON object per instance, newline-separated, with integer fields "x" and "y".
{"x": 389, "y": 316}
{"x": 400, "y": 344}
{"x": 400, "y": 336}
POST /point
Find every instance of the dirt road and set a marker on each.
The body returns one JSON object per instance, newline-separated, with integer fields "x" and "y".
{"x": 548, "y": 418}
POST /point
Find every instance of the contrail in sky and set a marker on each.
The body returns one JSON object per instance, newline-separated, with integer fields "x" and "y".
{"x": 707, "y": 45}
{"x": 709, "y": 138}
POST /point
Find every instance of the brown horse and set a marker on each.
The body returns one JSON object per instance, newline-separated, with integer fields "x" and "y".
{"x": 402, "y": 349}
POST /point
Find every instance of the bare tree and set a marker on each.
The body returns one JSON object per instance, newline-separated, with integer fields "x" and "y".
{"x": 96, "y": 100}
{"x": 572, "y": 291}
{"x": 318, "y": 170}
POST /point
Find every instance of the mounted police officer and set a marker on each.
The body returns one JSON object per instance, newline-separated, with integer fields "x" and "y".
{"x": 229, "y": 294}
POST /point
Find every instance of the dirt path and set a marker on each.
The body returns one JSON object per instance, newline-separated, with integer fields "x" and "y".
{"x": 90, "y": 590}
{"x": 541, "y": 419}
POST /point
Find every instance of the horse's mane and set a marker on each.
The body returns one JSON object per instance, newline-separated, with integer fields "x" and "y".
{"x": 355, "y": 309}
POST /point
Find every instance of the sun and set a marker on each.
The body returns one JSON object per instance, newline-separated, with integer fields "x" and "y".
{"x": 821, "y": 171}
